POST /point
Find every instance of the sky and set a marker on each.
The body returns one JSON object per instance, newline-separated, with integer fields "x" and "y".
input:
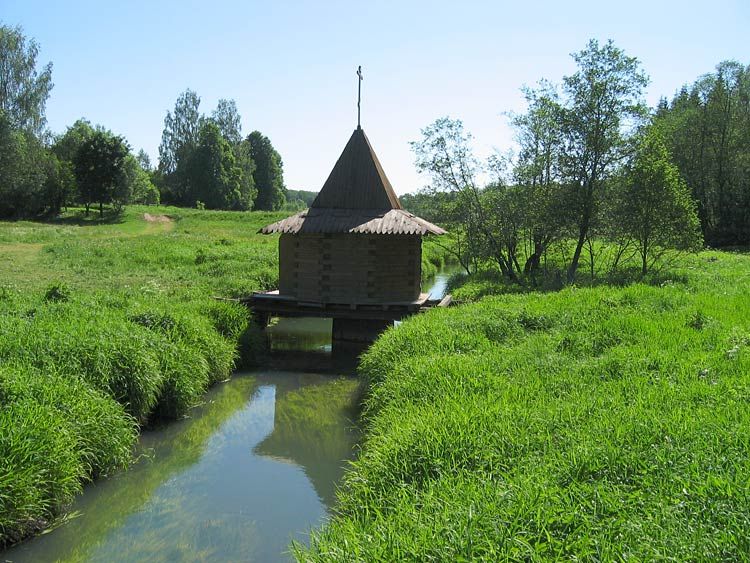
{"x": 291, "y": 65}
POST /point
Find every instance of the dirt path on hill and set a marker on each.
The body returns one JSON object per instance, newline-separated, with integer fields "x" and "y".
{"x": 158, "y": 223}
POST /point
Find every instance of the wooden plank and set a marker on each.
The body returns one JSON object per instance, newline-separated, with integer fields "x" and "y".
{"x": 445, "y": 301}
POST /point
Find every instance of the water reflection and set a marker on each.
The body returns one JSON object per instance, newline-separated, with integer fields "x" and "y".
{"x": 304, "y": 334}
{"x": 313, "y": 427}
{"x": 252, "y": 469}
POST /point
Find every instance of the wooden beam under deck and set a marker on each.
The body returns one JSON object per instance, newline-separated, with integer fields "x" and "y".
{"x": 273, "y": 304}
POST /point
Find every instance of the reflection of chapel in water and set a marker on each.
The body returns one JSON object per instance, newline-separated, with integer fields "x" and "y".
{"x": 355, "y": 256}
{"x": 314, "y": 428}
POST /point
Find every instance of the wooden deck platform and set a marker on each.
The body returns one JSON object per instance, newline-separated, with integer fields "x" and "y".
{"x": 272, "y": 304}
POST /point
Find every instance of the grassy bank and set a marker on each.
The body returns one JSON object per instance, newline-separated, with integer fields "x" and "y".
{"x": 601, "y": 423}
{"x": 106, "y": 326}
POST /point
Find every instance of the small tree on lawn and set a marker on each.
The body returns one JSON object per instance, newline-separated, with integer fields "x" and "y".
{"x": 654, "y": 206}
{"x": 100, "y": 170}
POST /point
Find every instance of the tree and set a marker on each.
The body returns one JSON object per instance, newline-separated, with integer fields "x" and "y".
{"x": 60, "y": 184}
{"x": 215, "y": 179}
{"x": 603, "y": 101}
{"x": 100, "y": 171}
{"x": 538, "y": 172}
{"x": 707, "y": 128}
{"x": 445, "y": 154}
{"x": 297, "y": 200}
{"x": 269, "y": 173}
{"x": 246, "y": 164}
{"x": 179, "y": 139}
{"x": 654, "y": 206}
{"x": 66, "y": 146}
{"x": 228, "y": 120}
{"x": 144, "y": 161}
{"x": 21, "y": 179}
{"x": 137, "y": 183}
{"x": 32, "y": 180}
{"x": 23, "y": 89}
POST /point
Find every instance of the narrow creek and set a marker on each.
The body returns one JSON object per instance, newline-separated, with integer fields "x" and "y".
{"x": 252, "y": 469}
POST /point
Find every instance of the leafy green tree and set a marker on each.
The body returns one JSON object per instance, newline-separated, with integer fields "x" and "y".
{"x": 23, "y": 89}
{"x": 473, "y": 214}
{"x": 246, "y": 164}
{"x": 33, "y": 181}
{"x": 100, "y": 171}
{"x": 297, "y": 200}
{"x": 21, "y": 180}
{"x": 215, "y": 178}
{"x": 269, "y": 173}
{"x": 137, "y": 183}
{"x": 707, "y": 128}
{"x": 60, "y": 184}
{"x": 227, "y": 118}
{"x": 421, "y": 203}
{"x": 66, "y": 146}
{"x": 603, "y": 100}
{"x": 538, "y": 172}
{"x": 144, "y": 161}
{"x": 654, "y": 205}
{"x": 179, "y": 139}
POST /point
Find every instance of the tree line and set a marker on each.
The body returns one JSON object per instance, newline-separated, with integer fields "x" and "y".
{"x": 203, "y": 160}
{"x": 597, "y": 167}
{"x": 707, "y": 128}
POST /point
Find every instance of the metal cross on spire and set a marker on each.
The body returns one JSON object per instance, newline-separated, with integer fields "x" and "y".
{"x": 359, "y": 95}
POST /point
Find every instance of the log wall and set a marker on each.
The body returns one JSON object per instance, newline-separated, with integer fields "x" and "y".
{"x": 350, "y": 268}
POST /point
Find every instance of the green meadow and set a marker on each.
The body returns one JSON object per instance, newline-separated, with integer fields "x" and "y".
{"x": 109, "y": 325}
{"x": 601, "y": 423}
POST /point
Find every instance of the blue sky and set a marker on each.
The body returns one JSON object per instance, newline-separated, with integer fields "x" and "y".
{"x": 291, "y": 65}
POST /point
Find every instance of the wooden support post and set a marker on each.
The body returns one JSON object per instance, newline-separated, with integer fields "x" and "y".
{"x": 260, "y": 318}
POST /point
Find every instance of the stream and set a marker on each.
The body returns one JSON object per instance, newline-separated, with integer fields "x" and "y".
{"x": 254, "y": 468}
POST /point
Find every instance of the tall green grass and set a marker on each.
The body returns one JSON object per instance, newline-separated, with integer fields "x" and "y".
{"x": 105, "y": 366}
{"x": 599, "y": 424}
{"x": 57, "y": 432}
{"x": 107, "y": 326}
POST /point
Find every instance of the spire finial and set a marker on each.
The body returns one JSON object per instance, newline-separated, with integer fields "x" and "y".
{"x": 359, "y": 95}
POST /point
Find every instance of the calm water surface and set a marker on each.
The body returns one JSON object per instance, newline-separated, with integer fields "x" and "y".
{"x": 437, "y": 287}
{"x": 252, "y": 469}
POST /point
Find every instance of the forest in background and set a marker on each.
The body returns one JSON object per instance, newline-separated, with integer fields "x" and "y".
{"x": 204, "y": 160}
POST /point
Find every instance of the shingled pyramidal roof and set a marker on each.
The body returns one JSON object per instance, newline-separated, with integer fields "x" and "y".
{"x": 356, "y": 198}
